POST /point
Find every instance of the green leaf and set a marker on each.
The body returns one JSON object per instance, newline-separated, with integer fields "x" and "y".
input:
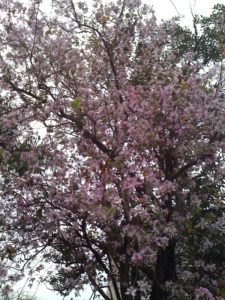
{"x": 75, "y": 103}
{"x": 109, "y": 210}
{"x": 39, "y": 213}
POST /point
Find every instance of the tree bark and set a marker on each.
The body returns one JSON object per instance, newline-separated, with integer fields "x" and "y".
{"x": 165, "y": 271}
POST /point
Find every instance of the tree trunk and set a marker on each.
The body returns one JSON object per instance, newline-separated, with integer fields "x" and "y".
{"x": 165, "y": 271}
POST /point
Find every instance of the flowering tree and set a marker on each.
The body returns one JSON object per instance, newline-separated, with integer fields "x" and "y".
{"x": 118, "y": 170}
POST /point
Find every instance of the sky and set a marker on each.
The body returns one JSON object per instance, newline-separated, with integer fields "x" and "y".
{"x": 164, "y": 9}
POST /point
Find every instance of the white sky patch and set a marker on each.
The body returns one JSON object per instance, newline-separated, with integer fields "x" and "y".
{"x": 165, "y": 9}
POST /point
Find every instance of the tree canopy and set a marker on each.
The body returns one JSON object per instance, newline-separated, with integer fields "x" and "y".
{"x": 111, "y": 146}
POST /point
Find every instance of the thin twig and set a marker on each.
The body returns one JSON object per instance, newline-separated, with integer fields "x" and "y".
{"x": 171, "y": 1}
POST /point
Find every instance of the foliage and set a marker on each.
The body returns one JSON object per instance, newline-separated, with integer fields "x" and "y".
{"x": 18, "y": 297}
{"x": 113, "y": 146}
{"x": 206, "y": 40}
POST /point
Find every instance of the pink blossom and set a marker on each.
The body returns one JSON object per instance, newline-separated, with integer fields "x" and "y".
{"x": 136, "y": 257}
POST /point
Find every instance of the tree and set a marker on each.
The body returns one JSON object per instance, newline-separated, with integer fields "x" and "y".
{"x": 11, "y": 124}
{"x": 206, "y": 40}
{"x": 19, "y": 296}
{"x": 123, "y": 182}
